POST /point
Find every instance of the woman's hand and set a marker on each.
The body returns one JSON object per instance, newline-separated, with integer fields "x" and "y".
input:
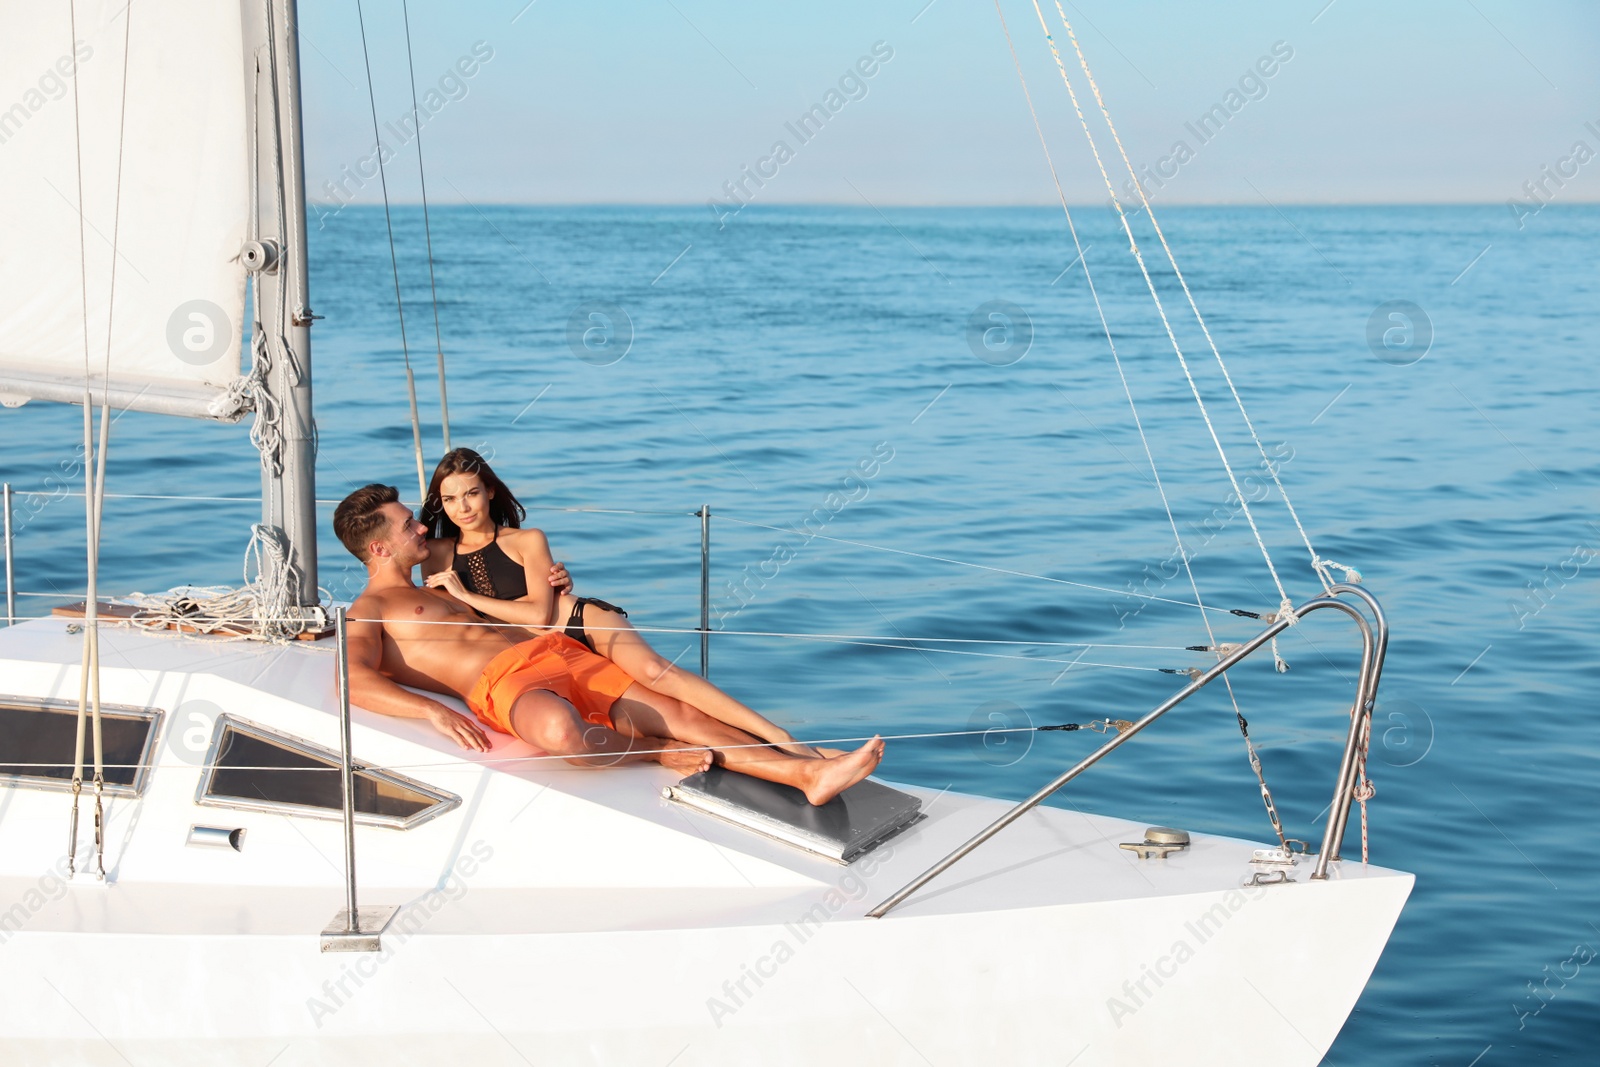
{"x": 449, "y": 581}
{"x": 560, "y": 580}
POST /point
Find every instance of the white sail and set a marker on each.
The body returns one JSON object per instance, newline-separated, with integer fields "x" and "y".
{"x": 182, "y": 147}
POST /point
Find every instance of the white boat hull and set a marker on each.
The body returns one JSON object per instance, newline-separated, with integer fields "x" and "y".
{"x": 1182, "y": 980}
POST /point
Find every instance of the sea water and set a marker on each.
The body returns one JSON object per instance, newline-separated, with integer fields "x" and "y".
{"x": 908, "y": 426}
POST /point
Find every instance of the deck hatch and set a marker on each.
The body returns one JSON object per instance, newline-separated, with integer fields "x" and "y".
{"x": 36, "y": 738}
{"x": 845, "y": 828}
{"x": 253, "y": 768}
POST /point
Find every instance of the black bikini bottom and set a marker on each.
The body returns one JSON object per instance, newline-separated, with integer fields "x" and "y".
{"x": 574, "y": 627}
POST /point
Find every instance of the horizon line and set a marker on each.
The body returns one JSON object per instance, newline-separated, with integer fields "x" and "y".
{"x": 334, "y": 205}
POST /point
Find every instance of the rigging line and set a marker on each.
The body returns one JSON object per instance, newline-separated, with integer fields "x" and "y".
{"x": 1094, "y": 726}
{"x": 1255, "y": 762}
{"x": 88, "y": 661}
{"x": 98, "y": 507}
{"x": 997, "y": 655}
{"x": 691, "y": 630}
{"x": 88, "y": 446}
{"x": 797, "y": 635}
{"x": 257, "y": 500}
{"x": 978, "y": 566}
{"x": 1116, "y": 358}
{"x": 157, "y": 617}
{"x": 394, "y": 261}
{"x": 1133, "y": 246}
{"x": 1272, "y": 468}
{"x": 1127, "y": 390}
{"x": 93, "y": 474}
{"x": 427, "y": 229}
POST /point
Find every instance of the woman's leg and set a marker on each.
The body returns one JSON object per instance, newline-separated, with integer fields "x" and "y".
{"x": 616, "y": 639}
{"x": 644, "y": 711}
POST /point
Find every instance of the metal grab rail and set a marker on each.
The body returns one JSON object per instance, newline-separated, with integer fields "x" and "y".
{"x": 1361, "y": 714}
{"x": 1373, "y": 647}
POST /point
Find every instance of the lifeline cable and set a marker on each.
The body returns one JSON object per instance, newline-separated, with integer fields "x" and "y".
{"x": 1103, "y": 726}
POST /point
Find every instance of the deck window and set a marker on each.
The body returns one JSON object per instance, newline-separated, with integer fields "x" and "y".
{"x": 36, "y": 738}
{"x": 257, "y": 769}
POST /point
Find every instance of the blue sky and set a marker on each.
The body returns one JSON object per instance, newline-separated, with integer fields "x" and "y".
{"x": 664, "y": 101}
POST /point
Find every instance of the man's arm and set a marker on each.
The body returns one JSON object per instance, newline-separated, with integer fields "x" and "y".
{"x": 370, "y": 689}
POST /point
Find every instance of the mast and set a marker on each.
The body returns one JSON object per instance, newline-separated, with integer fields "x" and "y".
{"x": 275, "y": 255}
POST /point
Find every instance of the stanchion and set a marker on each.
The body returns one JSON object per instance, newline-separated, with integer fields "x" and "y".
{"x": 11, "y": 595}
{"x": 353, "y": 929}
{"x": 705, "y": 590}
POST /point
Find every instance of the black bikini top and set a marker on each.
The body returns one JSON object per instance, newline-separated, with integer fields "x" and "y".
{"x": 490, "y": 572}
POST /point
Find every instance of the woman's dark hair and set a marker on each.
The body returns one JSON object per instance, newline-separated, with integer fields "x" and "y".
{"x": 503, "y": 507}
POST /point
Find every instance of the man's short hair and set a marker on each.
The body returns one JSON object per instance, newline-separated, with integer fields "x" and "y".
{"x": 359, "y": 517}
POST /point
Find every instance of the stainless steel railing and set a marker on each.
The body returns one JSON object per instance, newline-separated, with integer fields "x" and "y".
{"x": 1374, "y": 645}
{"x": 11, "y": 585}
{"x": 355, "y": 929}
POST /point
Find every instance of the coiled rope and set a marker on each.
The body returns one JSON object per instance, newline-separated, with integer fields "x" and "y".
{"x": 262, "y": 610}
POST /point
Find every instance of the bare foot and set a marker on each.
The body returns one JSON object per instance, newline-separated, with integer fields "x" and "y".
{"x": 685, "y": 759}
{"x": 833, "y": 776}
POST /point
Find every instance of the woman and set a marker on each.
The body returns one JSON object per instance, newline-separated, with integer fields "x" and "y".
{"x": 479, "y": 553}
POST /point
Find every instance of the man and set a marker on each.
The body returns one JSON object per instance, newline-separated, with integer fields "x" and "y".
{"x": 550, "y": 691}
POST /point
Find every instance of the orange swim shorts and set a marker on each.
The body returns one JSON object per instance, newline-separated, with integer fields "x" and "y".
{"x": 553, "y": 662}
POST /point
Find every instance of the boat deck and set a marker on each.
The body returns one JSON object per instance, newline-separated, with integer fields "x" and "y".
{"x": 535, "y": 847}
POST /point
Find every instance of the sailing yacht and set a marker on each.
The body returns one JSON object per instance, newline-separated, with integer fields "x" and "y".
{"x": 207, "y": 856}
